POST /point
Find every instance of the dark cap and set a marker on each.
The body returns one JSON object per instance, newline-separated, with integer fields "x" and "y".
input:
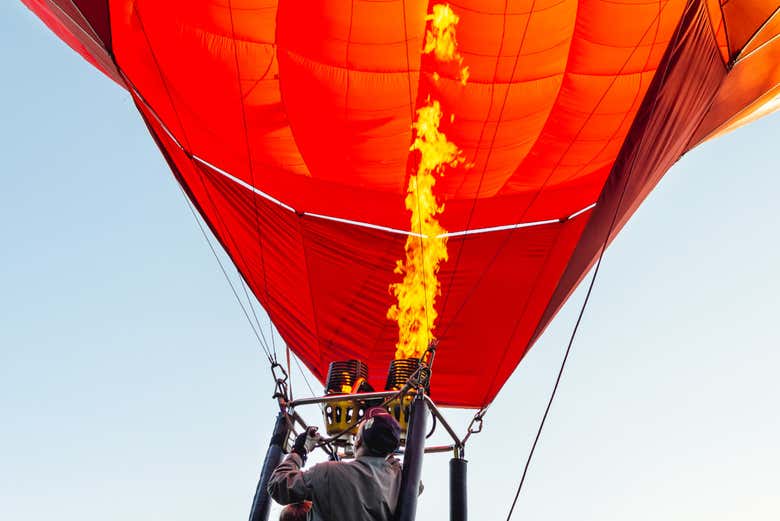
{"x": 380, "y": 432}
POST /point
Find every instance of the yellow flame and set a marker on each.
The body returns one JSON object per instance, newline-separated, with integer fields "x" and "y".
{"x": 464, "y": 75}
{"x": 426, "y": 247}
{"x": 440, "y": 39}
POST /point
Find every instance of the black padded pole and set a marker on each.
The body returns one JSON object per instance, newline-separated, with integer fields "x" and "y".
{"x": 458, "y": 497}
{"x": 413, "y": 458}
{"x": 261, "y": 505}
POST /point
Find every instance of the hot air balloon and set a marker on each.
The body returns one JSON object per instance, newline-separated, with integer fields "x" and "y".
{"x": 289, "y": 126}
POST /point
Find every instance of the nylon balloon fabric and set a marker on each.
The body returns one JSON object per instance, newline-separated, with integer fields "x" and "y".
{"x": 288, "y": 124}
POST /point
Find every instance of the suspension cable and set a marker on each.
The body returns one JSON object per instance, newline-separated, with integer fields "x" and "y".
{"x": 258, "y": 332}
{"x": 602, "y": 251}
{"x": 555, "y": 388}
{"x": 303, "y": 374}
{"x": 251, "y": 174}
{"x": 259, "y": 335}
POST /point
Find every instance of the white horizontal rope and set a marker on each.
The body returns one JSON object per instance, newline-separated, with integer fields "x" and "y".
{"x": 244, "y": 184}
{"x": 364, "y": 225}
{"x": 361, "y": 224}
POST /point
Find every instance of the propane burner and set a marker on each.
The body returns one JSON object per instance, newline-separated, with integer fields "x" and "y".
{"x": 399, "y": 373}
{"x": 346, "y": 377}
{"x": 341, "y": 417}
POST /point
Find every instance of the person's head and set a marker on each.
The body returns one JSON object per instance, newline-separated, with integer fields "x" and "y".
{"x": 295, "y": 511}
{"x": 379, "y": 433}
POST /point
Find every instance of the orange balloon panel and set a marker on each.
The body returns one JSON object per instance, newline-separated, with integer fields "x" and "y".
{"x": 289, "y": 124}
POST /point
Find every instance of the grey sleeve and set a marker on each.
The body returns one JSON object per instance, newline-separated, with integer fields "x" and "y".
{"x": 397, "y": 464}
{"x": 288, "y": 484}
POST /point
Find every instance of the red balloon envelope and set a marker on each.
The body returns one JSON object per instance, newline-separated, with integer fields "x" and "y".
{"x": 288, "y": 124}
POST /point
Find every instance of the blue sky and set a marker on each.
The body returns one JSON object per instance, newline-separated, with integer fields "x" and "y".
{"x": 132, "y": 388}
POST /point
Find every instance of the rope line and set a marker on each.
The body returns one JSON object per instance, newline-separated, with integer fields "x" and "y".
{"x": 495, "y": 132}
{"x": 227, "y": 277}
{"x": 258, "y": 332}
{"x": 555, "y": 387}
{"x": 303, "y": 374}
{"x": 511, "y": 233}
{"x": 585, "y": 302}
{"x": 251, "y": 171}
{"x": 554, "y": 244}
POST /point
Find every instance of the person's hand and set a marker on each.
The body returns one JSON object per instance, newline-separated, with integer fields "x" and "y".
{"x": 306, "y": 442}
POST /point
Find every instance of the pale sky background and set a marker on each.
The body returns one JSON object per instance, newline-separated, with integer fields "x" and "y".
{"x": 132, "y": 388}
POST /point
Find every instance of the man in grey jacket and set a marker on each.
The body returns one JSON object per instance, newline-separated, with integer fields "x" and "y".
{"x": 365, "y": 489}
